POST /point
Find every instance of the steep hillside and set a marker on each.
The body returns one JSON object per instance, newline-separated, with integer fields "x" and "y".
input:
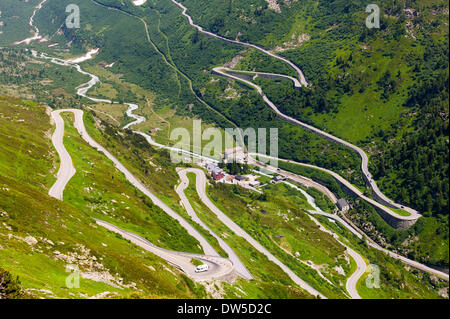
{"x": 385, "y": 90}
{"x": 41, "y": 236}
{"x": 374, "y": 87}
{"x": 176, "y": 55}
{"x": 14, "y": 17}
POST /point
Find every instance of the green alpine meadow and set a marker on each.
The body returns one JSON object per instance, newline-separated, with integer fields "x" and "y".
{"x": 257, "y": 150}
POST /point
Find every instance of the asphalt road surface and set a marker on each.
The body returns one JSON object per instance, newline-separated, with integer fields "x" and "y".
{"x": 201, "y": 190}
{"x": 218, "y": 266}
{"x": 238, "y": 264}
{"x": 66, "y": 168}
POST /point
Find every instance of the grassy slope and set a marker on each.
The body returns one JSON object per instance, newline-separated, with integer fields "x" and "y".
{"x": 266, "y": 273}
{"x": 60, "y": 226}
{"x": 153, "y": 168}
{"x": 360, "y": 78}
{"x": 177, "y": 41}
{"x": 298, "y": 232}
{"x": 67, "y": 225}
{"x": 99, "y": 188}
{"x": 396, "y": 280}
{"x": 364, "y": 77}
{"x": 162, "y": 180}
{"x": 23, "y": 76}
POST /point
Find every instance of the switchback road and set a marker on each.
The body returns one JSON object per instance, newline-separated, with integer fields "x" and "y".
{"x": 218, "y": 266}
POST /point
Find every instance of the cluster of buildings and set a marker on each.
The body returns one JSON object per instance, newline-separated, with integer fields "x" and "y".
{"x": 235, "y": 155}
{"x": 216, "y": 172}
{"x": 221, "y": 176}
{"x": 249, "y": 181}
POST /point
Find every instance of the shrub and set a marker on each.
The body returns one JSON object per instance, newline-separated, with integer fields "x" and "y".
{"x": 10, "y": 288}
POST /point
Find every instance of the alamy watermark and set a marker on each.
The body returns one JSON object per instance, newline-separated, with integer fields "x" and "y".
{"x": 211, "y": 142}
{"x": 373, "y": 19}
{"x": 73, "y": 19}
{"x": 373, "y": 278}
{"x": 73, "y": 279}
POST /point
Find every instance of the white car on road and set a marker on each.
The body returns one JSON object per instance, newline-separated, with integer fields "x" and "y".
{"x": 202, "y": 268}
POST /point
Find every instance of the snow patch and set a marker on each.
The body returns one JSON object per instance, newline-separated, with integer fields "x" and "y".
{"x": 89, "y": 55}
{"x": 139, "y": 2}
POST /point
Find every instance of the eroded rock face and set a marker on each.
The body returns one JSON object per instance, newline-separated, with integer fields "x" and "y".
{"x": 295, "y": 42}
{"x": 91, "y": 268}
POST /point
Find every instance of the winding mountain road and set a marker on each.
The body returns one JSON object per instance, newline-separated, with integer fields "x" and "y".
{"x": 381, "y": 201}
{"x": 238, "y": 264}
{"x": 66, "y": 169}
{"x": 296, "y": 82}
{"x": 83, "y": 89}
{"x": 219, "y": 266}
{"x": 201, "y": 191}
{"x": 360, "y": 234}
{"x": 378, "y": 195}
{"x": 361, "y": 266}
{"x": 168, "y": 61}
{"x": 259, "y": 48}
{"x": 408, "y": 220}
{"x": 79, "y": 125}
{"x": 364, "y": 158}
{"x": 92, "y": 82}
